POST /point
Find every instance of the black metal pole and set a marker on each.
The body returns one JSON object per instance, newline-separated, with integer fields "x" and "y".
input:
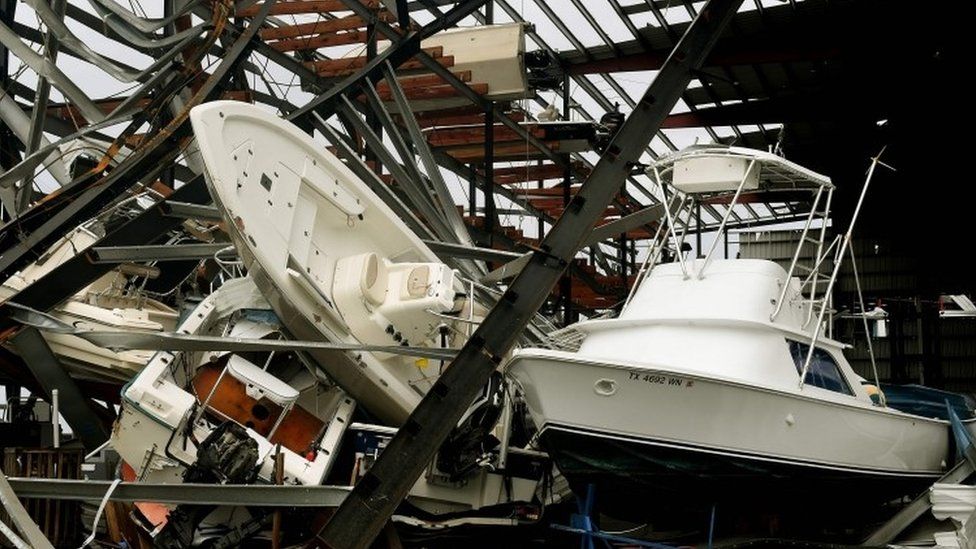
{"x": 489, "y": 167}
{"x": 566, "y": 282}
{"x": 369, "y": 506}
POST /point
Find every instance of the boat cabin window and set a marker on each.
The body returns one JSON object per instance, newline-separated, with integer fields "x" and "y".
{"x": 823, "y": 371}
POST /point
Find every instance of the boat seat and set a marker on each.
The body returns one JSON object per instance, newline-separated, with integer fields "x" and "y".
{"x": 374, "y": 279}
{"x": 260, "y": 383}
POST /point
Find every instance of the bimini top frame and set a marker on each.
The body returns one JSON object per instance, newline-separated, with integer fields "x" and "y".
{"x": 704, "y": 174}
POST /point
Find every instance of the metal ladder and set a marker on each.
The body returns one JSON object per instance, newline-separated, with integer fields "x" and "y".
{"x": 811, "y": 273}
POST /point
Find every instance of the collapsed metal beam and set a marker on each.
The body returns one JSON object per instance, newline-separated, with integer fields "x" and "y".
{"x": 262, "y": 495}
{"x": 50, "y": 374}
{"x": 18, "y": 515}
{"x": 420, "y": 145}
{"x": 471, "y": 252}
{"x": 158, "y": 252}
{"x": 887, "y": 532}
{"x": 648, "y": 215}
{"x": 66, "y": 279}
{"x": 46, "y": 68}
{"x": 175, "y": 341}
{"x": 362, "y": 516}
{"x": 186, "y": 210}
{"x": 39, "y": 113}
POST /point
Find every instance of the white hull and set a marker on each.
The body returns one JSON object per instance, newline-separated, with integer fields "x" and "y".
{"x": 672, "y": 407}
{"x": 332, "y": 259}
{"x": 99, "y": 306}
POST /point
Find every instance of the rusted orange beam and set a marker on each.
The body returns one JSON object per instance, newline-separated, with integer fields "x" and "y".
{"x": 557, "y": 203}
{"x": 461, "y": 110}
{"x": 412, "y": 65}
{"x": 68, "y": 112}
{"x": 431, "y": 119}
{"x": 238, "y": 95}
{"x": 133, "y": 141}
{"x": 556, "y": 191}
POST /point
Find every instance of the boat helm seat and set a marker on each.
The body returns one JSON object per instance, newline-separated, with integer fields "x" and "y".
{"x": 259, "y": 383}
{"x": 374, "y": 279}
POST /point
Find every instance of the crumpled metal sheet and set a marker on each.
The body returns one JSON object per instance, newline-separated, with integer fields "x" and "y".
{"x": 173, "y": 341}
{"x": 44, "y": 67}
{"x": 118, "y": 71}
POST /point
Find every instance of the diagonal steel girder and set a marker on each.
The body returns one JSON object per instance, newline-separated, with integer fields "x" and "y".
{"x": 361, "y": 517}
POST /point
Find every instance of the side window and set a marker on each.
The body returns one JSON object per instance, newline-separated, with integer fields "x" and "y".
{"x": 823, "y": 371}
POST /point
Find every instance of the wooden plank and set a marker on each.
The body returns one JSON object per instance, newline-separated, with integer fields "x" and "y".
{"x": 433, "y": 92}
{"x": 516, "y": 151}
{"x": 452, "y": 137}
{"x": 353, "y": 64}
{"x": 423, "y": 80}
{"x": 114, "y": 518}
{"x": 348, "y": 22}
{"x": 296, "y": 7}
{"x": 321, "y": 41}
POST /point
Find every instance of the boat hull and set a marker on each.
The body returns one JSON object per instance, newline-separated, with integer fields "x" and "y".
{"x": 300, "y": 221}
{"x": 639, "y": 476}
{"x": 678, "y": 438}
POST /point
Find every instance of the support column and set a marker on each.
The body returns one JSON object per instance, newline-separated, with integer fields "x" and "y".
{"x": 489, "y": 171}
{"x": 566, "y": 282}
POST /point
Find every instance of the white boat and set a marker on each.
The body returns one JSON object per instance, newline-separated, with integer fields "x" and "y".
{"x": 180, "y": 397}
{"x": 171, "y": 411}
{"x": 693, "y": 394}
{"x": 106, "y": 304}
{"x": 333, "y": 260}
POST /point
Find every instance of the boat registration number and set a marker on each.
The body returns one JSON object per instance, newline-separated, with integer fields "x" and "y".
{"x": 658, "y": 379}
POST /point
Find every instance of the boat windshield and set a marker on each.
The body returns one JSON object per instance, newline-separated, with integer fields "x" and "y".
{"x": 823, "y": 371}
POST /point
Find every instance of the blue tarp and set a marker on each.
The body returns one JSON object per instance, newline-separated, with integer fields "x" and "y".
{"x": 927, "y": 402}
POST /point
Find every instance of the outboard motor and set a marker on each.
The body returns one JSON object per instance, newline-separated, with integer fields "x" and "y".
{"x": 227, "y": 456}
{"x": 471, "y": 441}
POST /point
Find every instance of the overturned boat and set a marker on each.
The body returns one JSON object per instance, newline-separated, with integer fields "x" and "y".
{"x": 716, "y": 384}
{"x": 345, "y": 316}
{"x": 116, "y": 301}
{"x": 334, "y": 261}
